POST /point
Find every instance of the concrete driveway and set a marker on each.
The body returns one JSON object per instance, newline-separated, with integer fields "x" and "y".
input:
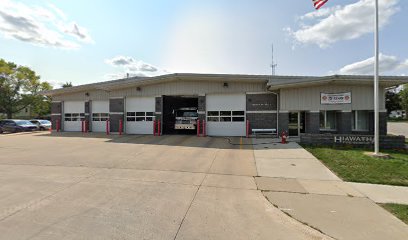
{"x": 74, "y": 186}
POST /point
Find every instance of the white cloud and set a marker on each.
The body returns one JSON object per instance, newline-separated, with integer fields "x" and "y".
{"x": 40, "y": 26}
{"x": 120, "y": 61}
{"x": 79, "y": 32}
{"x": 133, "y": 67}
{"x": 366, "y": 67}
{"x": 55, "y": 83}
{"x": 342, "y": 22}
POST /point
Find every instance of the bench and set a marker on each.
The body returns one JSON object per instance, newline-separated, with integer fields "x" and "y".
{"x": 264, "y": 131}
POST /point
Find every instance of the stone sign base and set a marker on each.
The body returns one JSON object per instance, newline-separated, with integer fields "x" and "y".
{"x": 350, "y": 140}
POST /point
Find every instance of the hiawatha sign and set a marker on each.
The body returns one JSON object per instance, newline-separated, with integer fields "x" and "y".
{"x": 354, "y": 139}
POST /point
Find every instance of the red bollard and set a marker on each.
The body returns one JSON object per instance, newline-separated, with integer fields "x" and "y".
{"x": 198, "y": 128}
{"x": 159, "y": 128}
{"x": 247, "y": 128}
{"x": 204, "y": 128}
{"x": 120, "y": 126}
{"x": 107, "y": 127}
{"x": 58, "y": 125}
{"x": 154, "y": 128}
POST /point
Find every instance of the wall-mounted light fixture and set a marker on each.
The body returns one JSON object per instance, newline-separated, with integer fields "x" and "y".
{"x": 138, "y": 89}
{"x": 87, "y": 94}
{"x": 225, "y": 84}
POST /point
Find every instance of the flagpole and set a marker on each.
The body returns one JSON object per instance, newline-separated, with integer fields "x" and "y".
{"x": 376, "y": 87}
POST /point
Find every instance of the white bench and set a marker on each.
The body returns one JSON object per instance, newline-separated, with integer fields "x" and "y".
{"x": 264, "y": 131}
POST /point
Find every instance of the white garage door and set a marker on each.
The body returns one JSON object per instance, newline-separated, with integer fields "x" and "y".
{"x": 100, "y": 113}
{"x": 140, "y": 115}
{"x": 74, "y": 114}
{"x": 226, "y": 115}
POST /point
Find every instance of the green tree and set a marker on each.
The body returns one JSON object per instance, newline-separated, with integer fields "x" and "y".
{"x": 404, "y": 99}
{"x": 41, "y": 105}
{"x": 392, "y": 101}
{"x": 19, "y": 88}
{"x": 67, "y": 85}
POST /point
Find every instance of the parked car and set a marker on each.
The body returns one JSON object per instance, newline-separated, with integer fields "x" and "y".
{"x": 41, "y": 124}
{"x": 11, "y": 125}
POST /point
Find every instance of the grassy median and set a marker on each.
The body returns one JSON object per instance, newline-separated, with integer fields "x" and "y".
{"x": 400, "y": 211}
{"x": 353, "y": 166}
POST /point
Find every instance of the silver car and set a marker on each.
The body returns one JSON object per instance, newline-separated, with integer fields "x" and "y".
{"x": 41, "y": 124}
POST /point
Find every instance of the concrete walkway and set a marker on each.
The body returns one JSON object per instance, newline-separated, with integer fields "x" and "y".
{"x": 300, "y": 185}
{"x": 383, "y": 193}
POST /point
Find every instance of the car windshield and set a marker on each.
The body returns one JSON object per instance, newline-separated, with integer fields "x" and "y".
{"x": 23, "y": 122}
{"x": 44, "y": 122}
{"x": 187, "y": 114}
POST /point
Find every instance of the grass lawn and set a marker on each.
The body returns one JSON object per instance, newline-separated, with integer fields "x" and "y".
{"x": 397, "y": 120}
{"x": 400, "y": 211}
{"x": 353, "y": 166}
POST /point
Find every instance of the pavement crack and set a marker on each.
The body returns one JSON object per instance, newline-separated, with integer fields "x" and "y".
{"x": 195, "y": 194}
{"x": 301, "y": 222}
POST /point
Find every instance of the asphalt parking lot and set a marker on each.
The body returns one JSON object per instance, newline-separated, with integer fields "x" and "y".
{"x": 74, "y": 186}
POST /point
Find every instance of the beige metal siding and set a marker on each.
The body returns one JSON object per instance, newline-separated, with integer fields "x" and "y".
{"x": 169, "y": 88}
{"x": 303, "y": 99}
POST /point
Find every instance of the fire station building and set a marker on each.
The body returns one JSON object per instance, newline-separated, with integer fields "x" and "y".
{"x": 227, "y": 104}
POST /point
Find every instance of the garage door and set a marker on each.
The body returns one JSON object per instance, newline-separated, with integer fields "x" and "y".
{"x": 140, "y": 115}
{"x": 100, "y": 113}
{"x": 226, "y": 115}
{"x": 74, "y": 113}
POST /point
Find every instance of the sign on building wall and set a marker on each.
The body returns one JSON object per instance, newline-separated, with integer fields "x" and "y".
{"x": 335, "y": 98}
{"x": 354, "y": 139}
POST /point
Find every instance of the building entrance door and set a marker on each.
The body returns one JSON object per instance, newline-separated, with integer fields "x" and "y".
{"x": 296, "y": 123}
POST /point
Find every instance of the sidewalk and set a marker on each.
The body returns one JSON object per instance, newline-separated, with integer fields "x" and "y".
{"x": 301, "y": 186}
{"x": 383, "y": 193}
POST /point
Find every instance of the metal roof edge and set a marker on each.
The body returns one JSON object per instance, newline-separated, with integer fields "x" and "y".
{"x": 125, "y": 82}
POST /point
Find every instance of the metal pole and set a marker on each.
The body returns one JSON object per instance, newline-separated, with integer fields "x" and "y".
{"x": 376, "y": 87}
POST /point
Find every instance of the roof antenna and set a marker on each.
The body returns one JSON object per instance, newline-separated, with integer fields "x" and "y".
{"x": 274, "y": 65}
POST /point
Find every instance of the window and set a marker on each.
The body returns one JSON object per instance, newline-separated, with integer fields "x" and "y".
{"x": 74, "y": 117}
{"x": 100, "y": 117}
{"x": 226, "y": 116}
{"x": 328, "y": 120}
{"x": 360, "y": 121}
{"x": 139, "y": 116}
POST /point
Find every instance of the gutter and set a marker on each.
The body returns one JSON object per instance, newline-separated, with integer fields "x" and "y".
{"x": 277, "y": 112}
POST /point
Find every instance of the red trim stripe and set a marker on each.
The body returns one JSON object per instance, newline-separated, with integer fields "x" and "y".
{"x": 319, "y": 3}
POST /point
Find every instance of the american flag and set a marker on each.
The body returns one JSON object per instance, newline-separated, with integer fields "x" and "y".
{"x": 319, "y": 3}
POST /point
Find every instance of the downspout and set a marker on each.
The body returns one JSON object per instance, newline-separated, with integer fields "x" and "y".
{"x": 277, "y": 111}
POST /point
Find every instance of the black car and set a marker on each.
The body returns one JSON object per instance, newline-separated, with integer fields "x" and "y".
{"x": 17, "y": 126}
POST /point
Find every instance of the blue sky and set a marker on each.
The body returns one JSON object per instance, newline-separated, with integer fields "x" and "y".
{"x": 90, "y": 41}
